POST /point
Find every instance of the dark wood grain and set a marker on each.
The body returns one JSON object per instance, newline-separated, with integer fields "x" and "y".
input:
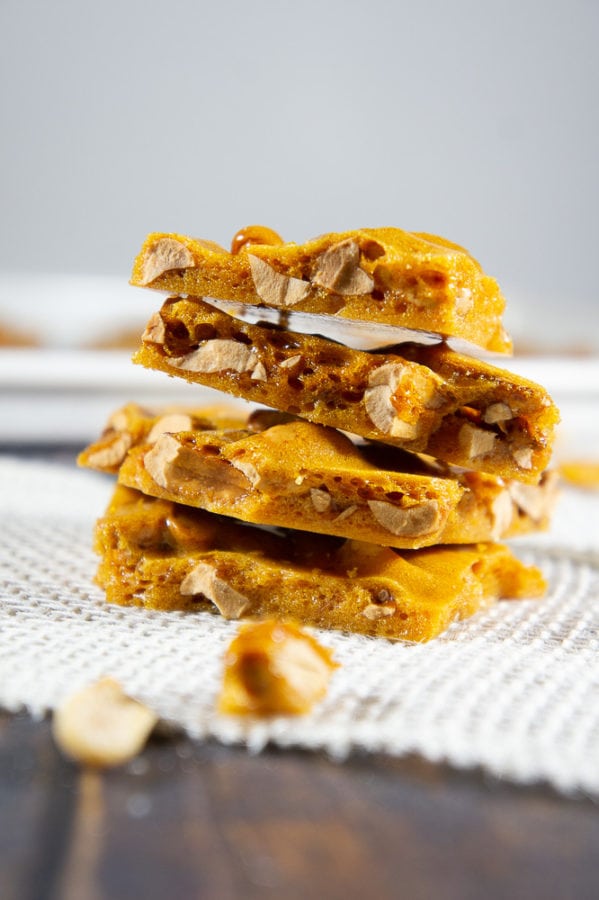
{"x": 191, "y": 820}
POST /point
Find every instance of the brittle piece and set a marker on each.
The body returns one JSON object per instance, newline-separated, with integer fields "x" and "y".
{"x": 295, "y": 474}
{"x": 162, "y": 555}
{"x": 383, "y": 275}
{"x": 582, "y": 473}
{"x": 101, "y": 726}
{"x": 424, "y": 399}
{"x": 274, "y": 668}
{"x": 132, "y": 424}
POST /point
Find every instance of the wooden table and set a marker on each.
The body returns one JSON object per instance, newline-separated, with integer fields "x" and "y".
{"x": 189, "y": 820}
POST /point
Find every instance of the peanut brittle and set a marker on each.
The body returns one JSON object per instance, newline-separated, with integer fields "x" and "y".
{"x": 132, "y": 425}
{"x": 582, "y": 473}
{"x": 383, "y": 275}
{"x": 274, "y": 668}
{"x": 298, "y": 475}
{"x": 161, "y": 555}
{"x": 101, "y": 726}
{"x": 424, "y": 399}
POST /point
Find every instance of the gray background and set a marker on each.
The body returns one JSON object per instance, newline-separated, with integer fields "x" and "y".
{"x": 473, "y": 120}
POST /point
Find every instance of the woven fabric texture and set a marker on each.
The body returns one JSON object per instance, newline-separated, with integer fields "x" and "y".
{"x": 514, "y": 690}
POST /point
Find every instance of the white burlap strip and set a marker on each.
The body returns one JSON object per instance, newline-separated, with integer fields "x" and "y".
{"x": 514, "y": 690}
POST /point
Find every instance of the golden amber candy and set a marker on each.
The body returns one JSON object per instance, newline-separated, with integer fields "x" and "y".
{"x": 101, "y": 726}
{"x": 581, "y": 473}
{"x": 382, "y": 275}
{"x": 274, "y": 668}
{"x": 14, "y": 337}
{"x": 254, "y": 234}
{"x": 294, "y": 474}
{"x": 133, "y": 424}
{"x": 162, "y": 555}
{"x": 424, "y": 399}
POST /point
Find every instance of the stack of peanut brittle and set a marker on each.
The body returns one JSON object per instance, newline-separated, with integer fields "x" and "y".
{"x": 367, "y": 490}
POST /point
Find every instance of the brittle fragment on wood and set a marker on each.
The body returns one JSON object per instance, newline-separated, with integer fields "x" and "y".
{"x": 101, "y": 726}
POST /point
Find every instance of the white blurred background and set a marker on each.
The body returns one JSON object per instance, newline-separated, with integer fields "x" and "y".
{"x": 477, "y": 121}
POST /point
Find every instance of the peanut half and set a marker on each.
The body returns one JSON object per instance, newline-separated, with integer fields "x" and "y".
{"x": 101, "y": 726}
